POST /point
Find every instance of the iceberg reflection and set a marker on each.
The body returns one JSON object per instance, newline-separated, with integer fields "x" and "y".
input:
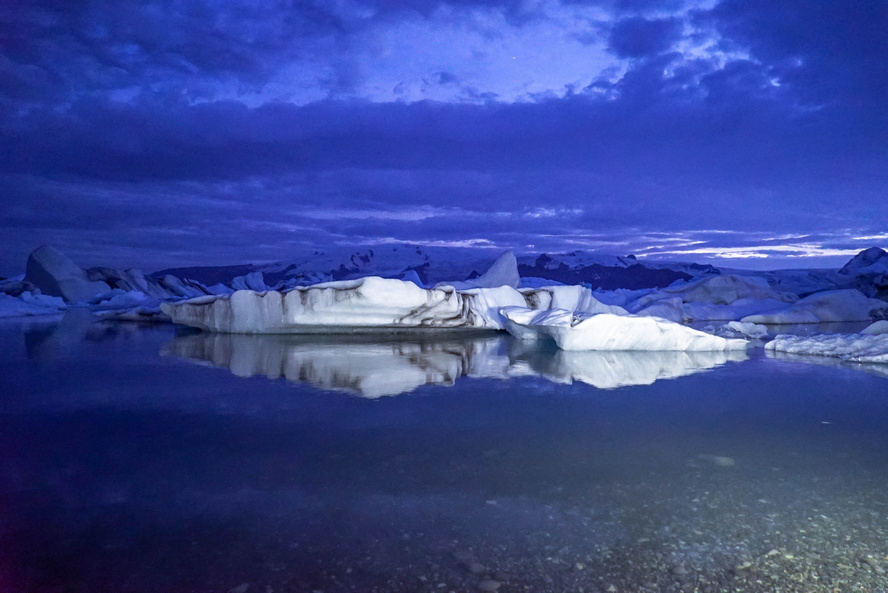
{"x": 374, "y": 367}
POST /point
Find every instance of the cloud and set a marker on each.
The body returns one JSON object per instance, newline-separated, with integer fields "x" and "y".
{"x": 638, "y": 37}
{"x": 278, "y": 125}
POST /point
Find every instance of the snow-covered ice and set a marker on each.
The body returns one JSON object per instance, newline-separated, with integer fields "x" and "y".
{"x": 366, "y": 303}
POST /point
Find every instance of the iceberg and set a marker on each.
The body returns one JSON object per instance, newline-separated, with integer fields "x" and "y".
{"x": 503, "y": 272}
{"x": 871, "y": 348}
{"x": 54, "y": 274}
{"x": 877, "y": 328}
{"x": 348, "y": 305}
{"x": 824, "y": 307}
{"x": 373, "y": 303}
{"x": 607, "y": 331}
{"x": 712, "y": 298}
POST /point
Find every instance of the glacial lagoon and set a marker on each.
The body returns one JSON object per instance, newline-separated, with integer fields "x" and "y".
{"x": 148, "y": 458}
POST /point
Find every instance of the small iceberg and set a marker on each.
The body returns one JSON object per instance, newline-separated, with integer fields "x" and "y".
{"x": 870, "y": 346}
{"x": 609, "y": 332}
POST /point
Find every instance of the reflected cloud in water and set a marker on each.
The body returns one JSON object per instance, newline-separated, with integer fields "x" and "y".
{"x": 372, "y": 367}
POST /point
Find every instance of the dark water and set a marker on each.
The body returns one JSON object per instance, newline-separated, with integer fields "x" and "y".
{"x": 138, "y": 459}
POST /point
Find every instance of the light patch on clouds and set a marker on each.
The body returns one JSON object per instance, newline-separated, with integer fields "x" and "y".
{"x": 796, "y": 250}
{"x": 461, "y": 243}
{"x": 409, "y": 214}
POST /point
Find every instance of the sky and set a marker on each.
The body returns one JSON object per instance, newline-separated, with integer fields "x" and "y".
{"x": 158, "y": 133}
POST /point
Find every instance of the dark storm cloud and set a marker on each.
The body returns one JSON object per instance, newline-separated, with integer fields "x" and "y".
{"x": 56, "y": 50}
{"x": 638, "y": 37}
{"x": 828, "y": 51}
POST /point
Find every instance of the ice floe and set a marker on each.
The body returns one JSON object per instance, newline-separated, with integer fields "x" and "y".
{"x": 850, "y": 347}
{"x": 28, "y": 304}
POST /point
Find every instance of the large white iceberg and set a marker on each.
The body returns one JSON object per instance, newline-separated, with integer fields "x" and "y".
{"x": 365, "y": 303}
{"x": 607, "y": 331}
{"x": 373, "y": 303}
{"x": 850, "y": 347}
{"x": 825, "y": 307}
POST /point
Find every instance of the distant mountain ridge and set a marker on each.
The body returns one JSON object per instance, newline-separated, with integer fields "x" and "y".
{"x": 433, "y": 265}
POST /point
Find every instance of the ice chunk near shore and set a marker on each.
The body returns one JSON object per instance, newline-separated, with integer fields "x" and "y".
{"x": 739, "y": 329}
{"x": 28, "y": 304}
{"x": 606, "y": 331}
{"x": 827, "y": 306}
{"x": 850, "y": 347}
{"x": 54, "y": 274}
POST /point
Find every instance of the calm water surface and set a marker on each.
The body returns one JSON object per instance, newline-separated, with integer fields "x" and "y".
{"x": 146, "y": 459}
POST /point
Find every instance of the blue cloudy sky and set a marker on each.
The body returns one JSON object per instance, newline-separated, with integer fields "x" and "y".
{"x": 153, "y": 133}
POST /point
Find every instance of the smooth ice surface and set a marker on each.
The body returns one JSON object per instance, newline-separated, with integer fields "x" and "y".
{"x": 827, "y": 306}
{"x": 606, "y": 331}
{"x": 854, "y": 347}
